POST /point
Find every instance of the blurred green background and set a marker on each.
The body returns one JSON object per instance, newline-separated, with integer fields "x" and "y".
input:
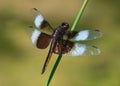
{"x": 21, "y": 63}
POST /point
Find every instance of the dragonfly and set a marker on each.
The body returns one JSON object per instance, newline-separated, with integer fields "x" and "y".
{"x": 61, "y": 39}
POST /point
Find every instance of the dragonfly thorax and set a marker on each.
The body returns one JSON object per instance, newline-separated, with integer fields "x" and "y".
{"x": 61, "y": 30}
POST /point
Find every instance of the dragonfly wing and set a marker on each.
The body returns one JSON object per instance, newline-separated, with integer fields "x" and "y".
{"x": 40, "y": 22}
{"x": 83, "y": 35}
{"x": 37, "y": 16}
{"x": 76, "y": 49}
{"x": 83, "y": 49}
{"x": 38, "y": 39}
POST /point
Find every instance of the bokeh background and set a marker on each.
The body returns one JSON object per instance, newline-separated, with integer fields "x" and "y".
{"x": 21, "y": 63}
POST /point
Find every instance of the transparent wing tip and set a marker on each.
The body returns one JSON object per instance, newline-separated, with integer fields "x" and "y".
{"x": 96, "y": 34}
{"x": 35, "y": 9}
{"x": 95, "y": 50}
{"x": 29, "y": 30}
{"x": 97, "y": 30}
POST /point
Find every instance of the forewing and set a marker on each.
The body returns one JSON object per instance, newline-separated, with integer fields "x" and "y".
{"x": 37, "y": 17}
{"x": 83, "y": 35}
{"x": 38, "y": 39}
{"x": 40, "y": 22}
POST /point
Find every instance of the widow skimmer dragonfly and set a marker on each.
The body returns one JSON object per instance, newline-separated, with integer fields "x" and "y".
{"x": 61, "y": 40}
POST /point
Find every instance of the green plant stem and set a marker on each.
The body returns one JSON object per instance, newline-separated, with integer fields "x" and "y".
{"x": 79, "y": 15}
{"x": 60, "y": 55}
{"x": 53, "y": 70}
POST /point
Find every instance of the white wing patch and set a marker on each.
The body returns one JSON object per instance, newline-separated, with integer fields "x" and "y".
{"x": 82, "y": 35}
{"x": 35, "y": 36}
{"x": 86, "y": 35}
{"x": 78, "y": 50}
{"x": 38, "y": 20}
{"x": 83, "y": 49}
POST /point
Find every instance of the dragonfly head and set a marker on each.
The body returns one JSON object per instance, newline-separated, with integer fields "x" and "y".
{"x": 65, "y": 25}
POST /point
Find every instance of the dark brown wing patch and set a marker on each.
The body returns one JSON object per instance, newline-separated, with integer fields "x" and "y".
{"x": 71, "y": 34}
{"x": 46, "y": 28}
{"x": 43, "y": 41}
{"x": 67, "y": 48}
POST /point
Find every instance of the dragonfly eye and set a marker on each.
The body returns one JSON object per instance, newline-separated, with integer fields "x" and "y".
{"x": 65, "y": 25}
